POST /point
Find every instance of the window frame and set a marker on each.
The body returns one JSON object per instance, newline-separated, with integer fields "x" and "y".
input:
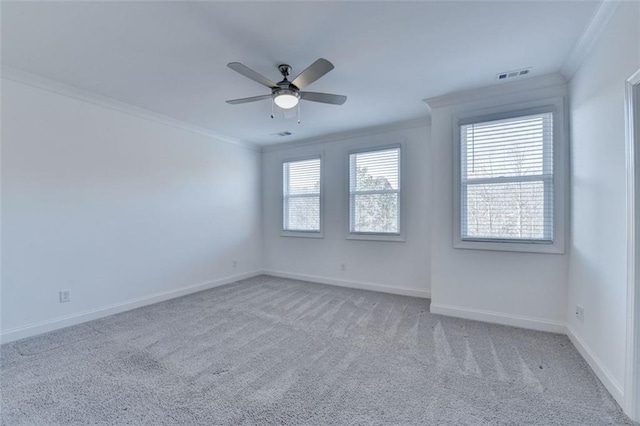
{"x": 377, "y": 236}
{"x": 556, "y": 106}
{"x": 301, "y": 233}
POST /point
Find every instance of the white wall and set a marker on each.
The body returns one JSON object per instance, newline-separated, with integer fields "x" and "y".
{"x": 399, "y": 267}
{"x": 523, "y": 289}
{"x": 114, "y": 208}
{"x": 597, "y": 272}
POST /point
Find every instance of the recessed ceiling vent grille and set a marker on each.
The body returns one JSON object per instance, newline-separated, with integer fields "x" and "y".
{"x": 282, "y": 134}
{"x": 512, "y": 74}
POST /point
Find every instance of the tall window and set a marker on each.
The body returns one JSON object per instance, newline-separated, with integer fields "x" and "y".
{"x": 507, "y": 179}
{"x": 301, "y": 195}
{"x": 374, "y": 192}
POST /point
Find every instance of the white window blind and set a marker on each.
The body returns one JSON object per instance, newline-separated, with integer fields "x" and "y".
{"x": 301, "y": 195}
{"x": 374, "y": 192}
{"x": 507, "y": 179}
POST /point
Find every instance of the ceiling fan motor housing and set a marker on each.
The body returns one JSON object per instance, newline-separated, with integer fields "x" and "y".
{"x": 285, "y": 87}
{"x": 285, "y": 70}
{"x": 291, "y": 90}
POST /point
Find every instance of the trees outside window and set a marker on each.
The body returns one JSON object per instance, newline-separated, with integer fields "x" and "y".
{"x": 374, "y": 192}
{"x": 507, "y": 179}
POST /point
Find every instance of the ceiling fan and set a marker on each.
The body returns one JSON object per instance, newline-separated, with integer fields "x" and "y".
{"x": 287, "y": 94}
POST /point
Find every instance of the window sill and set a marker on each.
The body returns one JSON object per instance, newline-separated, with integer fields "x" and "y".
{"x": 545, "y": 248}
{"x": 376, "y": 237}
{"x": 301, "y": 234}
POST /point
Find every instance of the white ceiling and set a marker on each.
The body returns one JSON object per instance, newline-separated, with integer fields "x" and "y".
{"x": 170, "y": 57}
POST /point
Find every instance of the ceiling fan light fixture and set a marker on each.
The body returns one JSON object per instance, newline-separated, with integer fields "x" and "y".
{"x": 286, "y": 99}
{"x": 286, "y": 94}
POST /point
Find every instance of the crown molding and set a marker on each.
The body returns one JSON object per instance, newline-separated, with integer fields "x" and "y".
{"x": 589, "y": 37}
{"x": 351, "y": 134}
{"x": 496, "y": 90}
{"x": 33, "y": 80}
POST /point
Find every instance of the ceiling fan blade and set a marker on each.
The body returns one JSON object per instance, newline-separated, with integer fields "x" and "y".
{"x": 249, "y": 73}
{"x": 312, "y": 73}
{"x": 325, "y": 98}
{"x": 246, "y": 100}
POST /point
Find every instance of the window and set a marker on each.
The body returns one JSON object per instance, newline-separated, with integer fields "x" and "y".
{"x": 507, "y": 179}
{"x": 374, "y": 192}
{"x": 301, "y": 182}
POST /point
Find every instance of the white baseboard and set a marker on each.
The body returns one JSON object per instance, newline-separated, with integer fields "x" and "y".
{"x": 17, "y": 333}
{"x": 500, "y": 318}
{"x": 351, "y": 284}
{"x": 596, "y": 365}
{"x": 615, "y": 389}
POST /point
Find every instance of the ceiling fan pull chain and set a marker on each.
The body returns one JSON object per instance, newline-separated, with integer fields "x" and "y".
{"x": 272, "y": 102}
{"x": 298, "y": 112}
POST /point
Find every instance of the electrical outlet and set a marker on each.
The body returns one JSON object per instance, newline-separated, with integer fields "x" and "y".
{"x": 343, "y": 266}
{"x": 580, "y": 312}
{"x": 235, "y": 263}
{"x": 65, "y": 296}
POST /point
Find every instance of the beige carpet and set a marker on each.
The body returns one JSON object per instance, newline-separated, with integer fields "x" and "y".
{"x": 274, "y": 351}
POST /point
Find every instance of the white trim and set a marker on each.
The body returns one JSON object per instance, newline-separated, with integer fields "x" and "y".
{"x": 632, "y": 356}
{"x": 556, "y": 105}
{"x": 103, "y": 311}
{"x": 599, "y": 369}
{"x": 351, "y": 134}
{"x": 589, "y": 37}
{"x": 382, "y": 288}
{"x": 397, "y": 238}
{"x": 531, "y": 323}
{"x": 303, "y": 234}
{"x": 605, "y": 376}
{"x": 32, "y": 80}
{"x": 1, "y": 251}
{"x": 505, "y": 245}
{"x": 497, "y": 90}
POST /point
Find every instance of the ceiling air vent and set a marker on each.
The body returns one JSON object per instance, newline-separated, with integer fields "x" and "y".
{"x": 512, "y": 74}
{"x": 282, "y": 134}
